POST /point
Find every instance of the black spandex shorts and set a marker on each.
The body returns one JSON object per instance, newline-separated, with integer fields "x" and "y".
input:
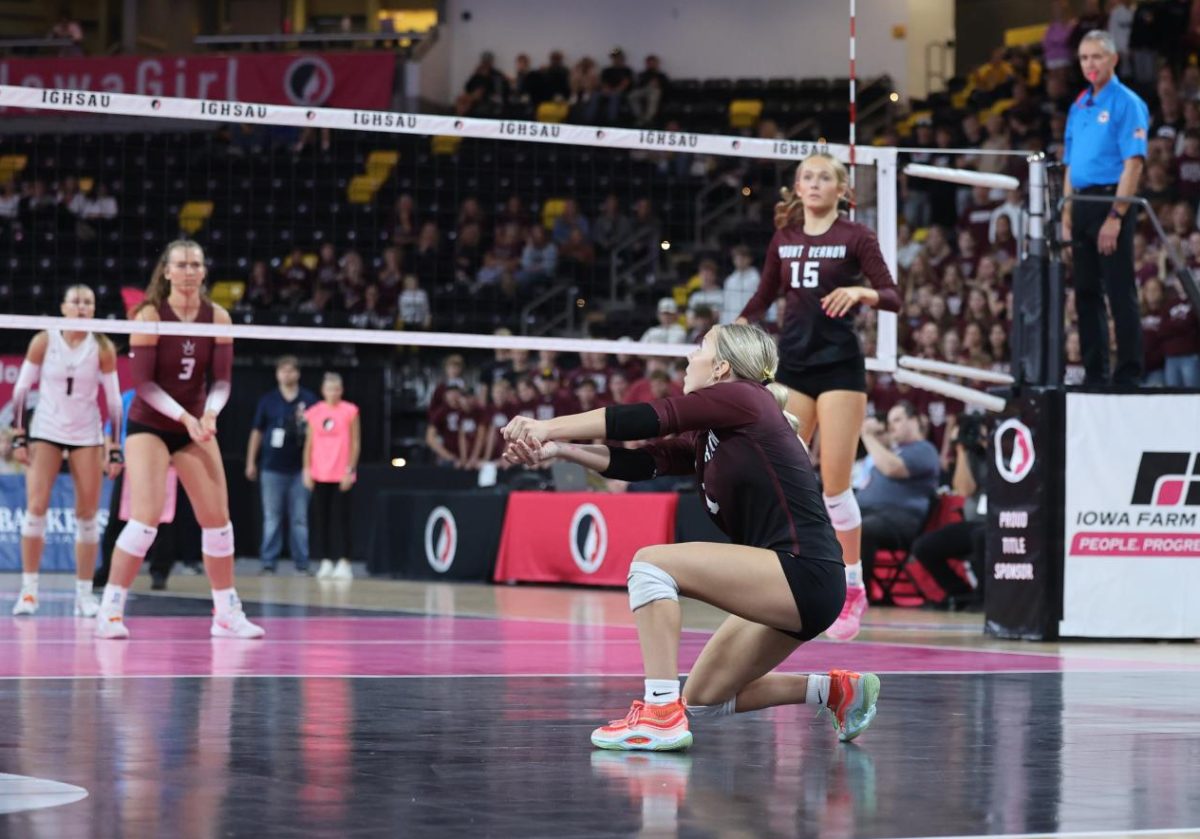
{"x": 175, "y": 440}
{"x": 66, "y": 447}
{"x": 819, "y": 587}
{"x": 813, "y": 381}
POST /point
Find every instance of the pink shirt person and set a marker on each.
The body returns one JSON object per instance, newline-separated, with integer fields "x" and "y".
{"x": 329, "y": 427}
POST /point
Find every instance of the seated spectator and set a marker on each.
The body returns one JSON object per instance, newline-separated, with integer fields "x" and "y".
{"x": 577, "y": 250}
{"x": 996, "y": 73}
{"x": 486, "y": 91}
{"x": 647, "y": 93}
{"x": 951, "y": 347}
{"x": 570, "y": 219}
{"x": 428, "y": 259}
{"x": 352, "y": 282}
{"x": 452, "y": 377}
{"x": 443, "y": 424}
{"x": 976, "y": 217}
{"x": 405, "y": 224}
{"x": 902, "y": 480}
{"x": 527, "y": 397}
{"x": 327, "y": 270}
{"x": 519, "y": 83}
{"x": 514, "y": 213}
{"x": 503, "y": 406}
{"x": 539, "y": 259}
{"x": 1158, "y": 188}
{"x": 669, "y": 329}
{"x": 709, "y": 293}
{"x": 612, "y": 227}
{"x": 69, "y": 196}
{"x": 700, "y": 319}
{"x": 39, "y": 204}
{"x": 260, "y": 291}
{"x": 1005, "y": 247}
{"x": 585, "y": 81}
{"x": 414, "y": 305}
{"x": 593, "y": 367}
{"x": 906, "y": 248}
{"x": 295, "y": 281}
{"x": 321, "y": 302}
{"x": 553, "y": 400}
{"x": 470, "y": 212}
{"x": 550, "y": 82}
{"x": 1154, "y": 318}
{"x": 473, "y": 428}
{"x": 618, "y": 388}
{"x": 373, "y": 313}
{"x": 997, "y": 348}
{"x": 968, "y": 256}
{"x": 586, "y": 396}
{"x": 937, "y": 249}
{"x": 100, "y": 205}
{"x": 468, "y": 254}
{"x": 615, "y": 82}
{"x": 390, "y": 276}
{"x": 960, "y": 540}
{"x": 10, "y": 200}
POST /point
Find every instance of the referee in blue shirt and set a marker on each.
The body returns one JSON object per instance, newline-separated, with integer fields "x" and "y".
{"x": 1105, "y": 151}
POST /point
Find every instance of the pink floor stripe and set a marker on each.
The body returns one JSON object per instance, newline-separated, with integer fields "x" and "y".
{"x": 386, "y": 646}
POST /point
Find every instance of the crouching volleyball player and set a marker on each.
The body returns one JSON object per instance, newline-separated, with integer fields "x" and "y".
{"x": 173, "y": 421}
{"x": 782, "y": 579}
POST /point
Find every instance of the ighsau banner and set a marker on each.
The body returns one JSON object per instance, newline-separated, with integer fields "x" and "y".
{"x": 336, "y": 80}
{"x": 1132, "y": 507}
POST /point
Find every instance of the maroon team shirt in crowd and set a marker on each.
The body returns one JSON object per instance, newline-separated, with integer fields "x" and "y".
{"x": 446, "y": 423}
{"x": 1152, "y": 338}
{"x": 978, "y": 219}
{"x": 805, "y": 268}
{"x": 181, "y": 370}
{"x": 1180, "y": 333}
{"x": 559, "y": 404}
{"x": 754, "y": 474}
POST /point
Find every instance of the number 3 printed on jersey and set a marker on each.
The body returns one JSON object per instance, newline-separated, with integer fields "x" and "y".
{"x": 811, "y": 277}
{"x": 188, "y": 365}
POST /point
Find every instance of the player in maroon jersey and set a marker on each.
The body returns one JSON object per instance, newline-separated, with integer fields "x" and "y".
{"x": 781, "y": 579}
{"x": 818, "y": 261}
{"x": 173, "y": 421}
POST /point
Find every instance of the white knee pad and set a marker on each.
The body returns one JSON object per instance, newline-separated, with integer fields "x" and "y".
{"x": 33, "y": 526}
{"x": 217, "y": 541}
{"x": 713, "y": 712}
{"x": 136, "y": 538}
{"x": 648, "y": 583}
{"x": 843, "y": 510}
{"x": 87, "y": 531}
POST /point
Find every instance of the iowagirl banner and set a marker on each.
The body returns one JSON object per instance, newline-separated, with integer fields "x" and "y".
{"x": 336, "y": 80}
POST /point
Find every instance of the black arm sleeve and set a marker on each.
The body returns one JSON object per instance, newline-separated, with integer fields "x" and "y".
{"x": 630, "y": 465}
{"x": 630, "y": 422}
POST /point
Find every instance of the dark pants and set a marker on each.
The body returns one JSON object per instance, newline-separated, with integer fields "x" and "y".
{"x": 960, "y": 540}
{"x": 885, "y": 530}
{"x": 1097, "y": 276}
{"x": 329, "y": 522}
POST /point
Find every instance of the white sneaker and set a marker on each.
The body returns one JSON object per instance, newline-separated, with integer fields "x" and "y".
{"x": 343, "y": 571}
{"x": 111, "y": 626}
{"x": 326, "y": 570}
{"x": 86, "y": 605}
{"x": 27, "y": 602}
{"x": 235, "y": 624}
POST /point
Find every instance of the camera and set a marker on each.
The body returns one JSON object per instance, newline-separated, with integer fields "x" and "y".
{"x": 971, "y": 431}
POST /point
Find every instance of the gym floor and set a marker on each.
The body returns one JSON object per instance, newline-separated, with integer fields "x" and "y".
{"x": 381, "y": 708}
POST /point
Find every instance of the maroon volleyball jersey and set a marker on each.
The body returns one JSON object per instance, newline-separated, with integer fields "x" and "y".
{"x": 181, "y": 370}
{"x": 755, "y": 477}
{"x": 803, "y": 269}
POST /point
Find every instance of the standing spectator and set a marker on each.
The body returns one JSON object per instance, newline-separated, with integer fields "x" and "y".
{"x": 279, "y": 420}
{"x": 647, "y": 92}
{"x": 414, "y": 305}
{"x": 902, "y": 480}
{"x": 740, "y": 286}
{"x": 1181, "y": 345}
{"x": 551, "y": 82}
{"x": 669, "y": 329}
{"x": 331, "y": 450}
{"x": 1105, "y": 156}
{"x": 260, "y": 293}
{"x": 1154, "y": 317}
{"x": 585, "y": 81}
{"x": 67, "y": 28}
{"x": 442, "y": 425}
{"x": 710, "y": 292}
{"x": 1120, "y": 24}
{"x": 1056, "y": 43}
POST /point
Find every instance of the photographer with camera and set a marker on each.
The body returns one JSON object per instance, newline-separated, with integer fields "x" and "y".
{"x": 964, "y": 539}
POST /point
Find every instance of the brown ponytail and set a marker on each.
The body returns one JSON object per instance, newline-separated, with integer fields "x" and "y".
{"x": 160, "y": 287}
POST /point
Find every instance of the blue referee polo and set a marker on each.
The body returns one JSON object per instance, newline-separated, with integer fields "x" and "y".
{"x": 1103, "y": 131}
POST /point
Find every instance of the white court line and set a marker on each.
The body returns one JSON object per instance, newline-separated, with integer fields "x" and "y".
{"x": 1075, "y": 834}
{"x": 639, "y": 675}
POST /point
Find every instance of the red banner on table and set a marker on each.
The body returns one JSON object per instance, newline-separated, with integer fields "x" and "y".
{"x": 580, "y": 537}
{"x": 335, "y": 80}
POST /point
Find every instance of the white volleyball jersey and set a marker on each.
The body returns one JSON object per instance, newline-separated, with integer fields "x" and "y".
{"x": 67, "y": 409}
